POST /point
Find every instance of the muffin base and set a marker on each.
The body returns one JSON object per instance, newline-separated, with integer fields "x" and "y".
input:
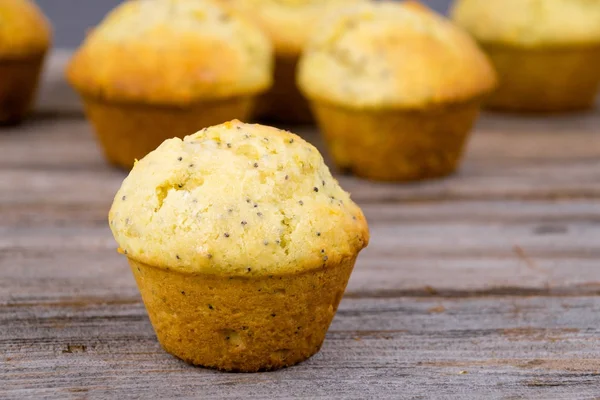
{"x": 18, "y": 84}
{"x": 397, "y": 145}
{"x": 241, "y": 324}
{"x": 284, "y": 102}
{"x": 544, "y": 80}
{"x": 130, "y": 131}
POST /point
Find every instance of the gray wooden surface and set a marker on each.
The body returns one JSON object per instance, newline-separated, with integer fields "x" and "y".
{"x": 483, "y": 285}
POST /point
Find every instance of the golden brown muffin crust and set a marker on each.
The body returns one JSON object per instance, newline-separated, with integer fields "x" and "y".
{"x": 389, "y": 55}
{"x": 236, "y": 199}
{"x": 288, "y": 23}
{"x": 172, "y": 52}
{"x": 530, "y": 23}
{"x": 24, "y": 30}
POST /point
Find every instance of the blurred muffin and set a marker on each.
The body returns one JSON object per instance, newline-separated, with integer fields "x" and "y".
{"x": 155, "y": 69}
{"x": 241, "y": 243}
{"x": 395, "y": 89}
{"x": 547, "y": 53}
{"x": 25, "y": 36}
{"x": 288, "y": 23}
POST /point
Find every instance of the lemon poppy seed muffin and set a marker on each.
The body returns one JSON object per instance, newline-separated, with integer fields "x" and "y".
{"x": 546, "y": 52}
{"x": 25, "y": 36}
{"x": 241, "y": 243}
{"x": 288, "y": 23}
{"x": 395, "y": 88}
{"x": 155, "y": 69}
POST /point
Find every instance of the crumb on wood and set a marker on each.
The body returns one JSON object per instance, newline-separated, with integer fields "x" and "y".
{"x": 430, "y": 290}
{"x": 75, "y": 348}
{"x": 437, "y": 309}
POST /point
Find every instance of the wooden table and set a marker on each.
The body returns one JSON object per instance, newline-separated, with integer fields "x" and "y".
{"x": 483, "y": 285}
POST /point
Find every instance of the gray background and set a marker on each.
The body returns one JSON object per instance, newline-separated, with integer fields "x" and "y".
{"x": 71, "y": 18}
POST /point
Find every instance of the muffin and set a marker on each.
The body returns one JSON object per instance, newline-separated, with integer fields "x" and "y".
{"x": 288, "y": 23}
{"x": 547, "y": 53}
{"x": 24, "y": 39}
{"x": 154, "y": 69}
{"x": 241, "y": 243}
{"x": 395, "y": 89}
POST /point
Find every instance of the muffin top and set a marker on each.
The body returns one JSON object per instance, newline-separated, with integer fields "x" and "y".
{"x": 530, "y": 22}
{"x": 24, "y": 31}
{"x": 389, "y": 55}
{"x": 287, "y": 22}
{"x": 172, "y": 52}
{"x": 236, "y": 199}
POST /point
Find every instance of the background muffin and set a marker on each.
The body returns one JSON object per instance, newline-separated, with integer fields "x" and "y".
{"x": 547, "y": 53}
{"x": 160, "y": 68}
{"x": 288, "y": 24}
{"x": 24, "y": 39}
{"x": 395, "y": 89}
{"x": 241, "y": 243}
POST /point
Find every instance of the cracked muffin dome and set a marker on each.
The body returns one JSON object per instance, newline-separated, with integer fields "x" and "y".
{"x": 287, "y": 22}
{"x": 24, "y": 30}
{"x": 530, "y": 22}
{"x": 389, "y": 54}
{"x": 236, "y": 199}
{"x": 173, "y": 52}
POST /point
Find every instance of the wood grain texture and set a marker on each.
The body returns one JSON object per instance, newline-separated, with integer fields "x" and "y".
{"x": 494, "y": 347}
{"x": 482, "y": 285}
{"x": 522, "y": 215}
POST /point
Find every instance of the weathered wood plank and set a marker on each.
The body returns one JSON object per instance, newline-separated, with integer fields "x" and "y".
{"x": 499, "y": 165}
{"x": 497, "y": 138}
{"x": 493, "y": 347}
{"x": 55, "y": 94}
{"x": 450, "y": 248}
{"x": 435, "y": 307}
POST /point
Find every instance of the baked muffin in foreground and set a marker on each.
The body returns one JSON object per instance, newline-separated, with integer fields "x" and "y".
{"x": 25, "y": 36}
{"x": 547, "y": 53}
{"x": 288, "y": 23}
{"x": 241, "y": 243}
{"x": 395, "y": 89}
{"x": 154, "y": 69}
